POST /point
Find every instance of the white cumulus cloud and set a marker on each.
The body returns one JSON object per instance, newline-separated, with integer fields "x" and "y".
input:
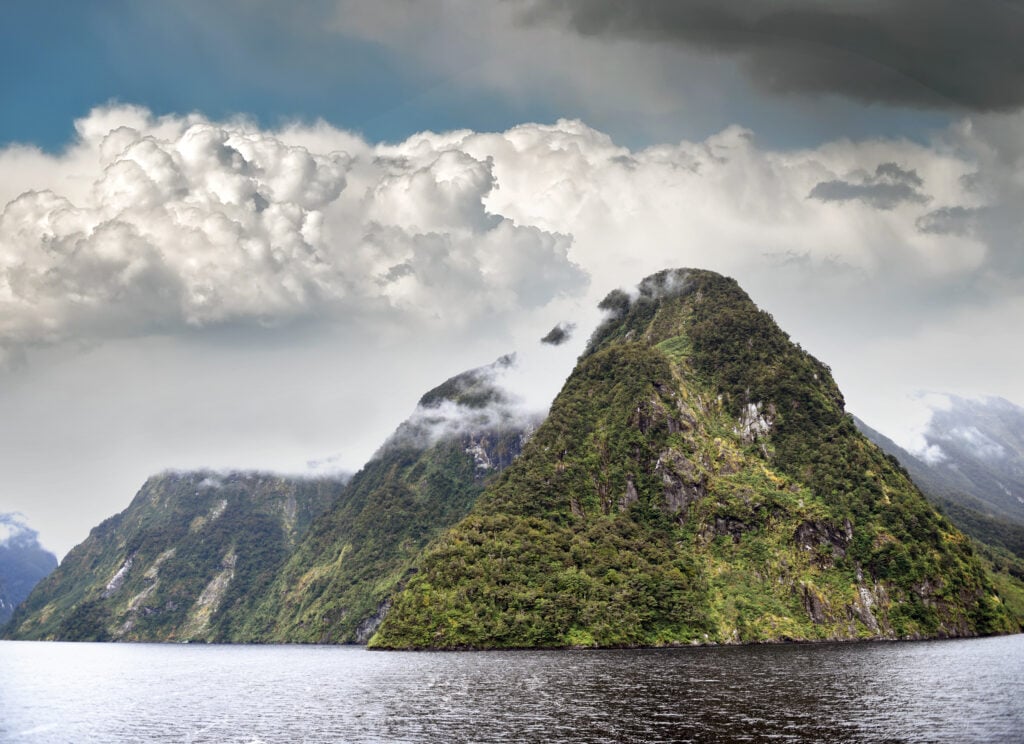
{"x": 154, "y": 225}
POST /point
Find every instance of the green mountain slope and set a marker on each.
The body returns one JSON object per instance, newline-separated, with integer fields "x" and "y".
{"x": 338, "y": 584}
{"x": 697, "y": 480}
{"x": 184, "y": 561}
{"x": 1000, "y": 540}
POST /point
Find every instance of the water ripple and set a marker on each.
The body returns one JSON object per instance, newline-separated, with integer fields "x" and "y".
{"x": 950, "y": 691}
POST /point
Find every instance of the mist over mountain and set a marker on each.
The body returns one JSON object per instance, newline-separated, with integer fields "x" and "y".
{"x": 965, "y": 470}
{"x": 23, "y": 562}
{"x": 339, "y": 583}
{"x": 976, "y": 446}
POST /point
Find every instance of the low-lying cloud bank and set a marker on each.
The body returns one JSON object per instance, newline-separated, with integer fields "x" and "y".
{"x": 16, "y": 533}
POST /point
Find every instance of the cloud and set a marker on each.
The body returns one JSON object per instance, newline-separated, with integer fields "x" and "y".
{"x": 14, "y": 532}
{"x": 166, "y": 225}
{"x": 470, "y": 403}
{"x": 923, "y": 53}
{"x": 948, "y": 428}
{"x": 558, "y": 335}
{"x": 316, "y": 283}
{"x": 888, "y": 187}
{"x": 187, "y": 223}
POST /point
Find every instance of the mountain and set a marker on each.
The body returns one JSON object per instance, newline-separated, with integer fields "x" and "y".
{"x": 185, "y": 561}
{"x": 966, "y": 502}
{"x": 697, "y": 480}
{"x": 23, "y": 563}
{"x": 976, "y": 448}
{"x": 251, "y": 557}
{"x": 338, "y": 584}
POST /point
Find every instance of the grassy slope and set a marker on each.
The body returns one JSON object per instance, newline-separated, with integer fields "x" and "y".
{"x": 643, "y": 512}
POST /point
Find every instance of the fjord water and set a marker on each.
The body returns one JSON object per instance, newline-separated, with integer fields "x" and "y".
{"x": 966, "y": 690}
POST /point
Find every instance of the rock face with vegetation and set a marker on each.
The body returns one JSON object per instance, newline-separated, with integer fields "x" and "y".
{"x": 338, "y": 585}
{"x": 261, "y": 558}
{"x": 23, "y": 563}
{"x": 697, "y": 480}
{"x": 968, "y": 501}
{"x": 184, "y": 562}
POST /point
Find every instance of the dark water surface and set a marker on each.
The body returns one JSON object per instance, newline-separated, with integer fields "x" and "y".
{"x": 950, "y": 691}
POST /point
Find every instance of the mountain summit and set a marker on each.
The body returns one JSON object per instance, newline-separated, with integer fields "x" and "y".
{"x": 697, "y": 480}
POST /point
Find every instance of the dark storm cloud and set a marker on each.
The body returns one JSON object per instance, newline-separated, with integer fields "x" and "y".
{"x": 559, "y": 334}
{"x": 921, "y": 53}
{"x": 889, "y": 187}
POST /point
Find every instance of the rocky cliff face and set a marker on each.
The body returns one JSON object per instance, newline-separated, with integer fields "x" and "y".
{"x": 697, "y": 480}
{"x": 184, "y": 561}
{"x": 337, "y": 587}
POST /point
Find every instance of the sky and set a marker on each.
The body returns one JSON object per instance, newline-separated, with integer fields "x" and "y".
{"x": 250, "y": 234}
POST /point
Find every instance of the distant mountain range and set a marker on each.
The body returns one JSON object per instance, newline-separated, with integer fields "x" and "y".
{"x": 23, "y": 562}
{"x": 972, "y": 467}
{"x": 697, "y": 480}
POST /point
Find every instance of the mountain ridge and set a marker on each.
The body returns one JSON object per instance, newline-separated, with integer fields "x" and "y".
{"x": 247, "y": 563}
{"x": 180, "y": 563}
{"x": 337, "y": 586}
{"x": 697, "y": 480}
